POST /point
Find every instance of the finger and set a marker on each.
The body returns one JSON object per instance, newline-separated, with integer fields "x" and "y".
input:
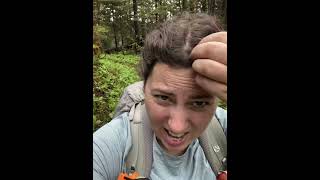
{"x": 219, "y": 37}
{"x": 216, "y": 51}
{"x": 211, "y": 69}
{"x": 212, "y": 87}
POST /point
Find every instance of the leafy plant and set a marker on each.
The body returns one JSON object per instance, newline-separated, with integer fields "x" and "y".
{"x": 111, "y": 75}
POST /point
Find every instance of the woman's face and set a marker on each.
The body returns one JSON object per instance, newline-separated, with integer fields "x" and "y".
{"x": 179, "y": 110}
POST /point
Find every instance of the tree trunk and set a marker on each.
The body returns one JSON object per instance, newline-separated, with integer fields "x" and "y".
{"x": 115, "y": 34}
{"x": 184, "y": 5}
{"x": 122, "y": 40}
{"x": 191, "y": 5}
{"x": 161, "y": 15}
{"x": 143, "y": 28}
{"x": 211, "y": 6}
{"x": 113, "y": 25}
{"x": 204, "y": 6}
{"x": 156, "y": 6}
{"x": 135, "y": 24}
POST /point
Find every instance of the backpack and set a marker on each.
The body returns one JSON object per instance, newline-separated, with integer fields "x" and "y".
{"x": 213, "y": 140}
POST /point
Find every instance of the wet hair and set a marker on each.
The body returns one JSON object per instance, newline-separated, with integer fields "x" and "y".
{"x": 171, "y": 42}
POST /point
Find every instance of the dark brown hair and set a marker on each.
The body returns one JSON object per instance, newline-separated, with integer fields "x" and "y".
{"x": 172, "y": 41}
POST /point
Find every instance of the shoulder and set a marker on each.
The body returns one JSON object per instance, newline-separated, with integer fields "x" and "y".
{"x": 116, "y": 125}
{"x": 110, "y": 144}
{"x": 115, "y": 133}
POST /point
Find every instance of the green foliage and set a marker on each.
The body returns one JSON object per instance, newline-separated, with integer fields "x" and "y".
{"x": 222, "y": 104}
{"x": 127, "y": 60}
{"x": 100, "y": 37}
{"x": 111, "y": 75}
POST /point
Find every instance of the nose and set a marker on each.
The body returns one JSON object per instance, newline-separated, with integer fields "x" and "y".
{"x": 178, "y": 120}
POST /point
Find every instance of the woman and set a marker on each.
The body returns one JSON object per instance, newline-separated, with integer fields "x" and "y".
{"x": 184, "y": 70}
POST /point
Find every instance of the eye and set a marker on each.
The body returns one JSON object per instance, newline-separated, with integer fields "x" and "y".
{"x": 199, "y": 104}
{"x": 161, "y": 97}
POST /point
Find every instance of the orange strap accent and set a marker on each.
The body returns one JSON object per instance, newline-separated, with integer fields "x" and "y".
{"x": 124, "y": 176}
{"x": 222, "y": 175}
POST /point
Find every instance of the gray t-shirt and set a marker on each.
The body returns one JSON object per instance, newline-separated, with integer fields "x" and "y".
{"x": 112, "y": 142}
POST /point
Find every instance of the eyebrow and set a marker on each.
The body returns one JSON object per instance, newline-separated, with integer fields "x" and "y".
{"x": 165, "y": 91}
{"x": 200, "y": 97}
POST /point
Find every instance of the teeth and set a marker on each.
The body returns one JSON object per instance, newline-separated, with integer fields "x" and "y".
{"x": 175, "y": 135}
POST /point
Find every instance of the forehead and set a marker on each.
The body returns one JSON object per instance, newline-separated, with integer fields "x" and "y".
{"x": 174, "y": 80}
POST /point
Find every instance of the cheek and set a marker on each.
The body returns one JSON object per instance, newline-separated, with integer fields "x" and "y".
{"x": 158, "y": 114}
{"x": 200, "y": 120}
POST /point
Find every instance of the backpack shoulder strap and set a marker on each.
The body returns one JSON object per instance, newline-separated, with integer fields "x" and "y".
{"x": 132, "y": 95}
{"x": 140, "y": 155}
{"x": 214, "y": 144}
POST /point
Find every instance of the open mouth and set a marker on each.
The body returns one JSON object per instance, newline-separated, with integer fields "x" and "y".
{"x": 176, "y": 136}
{"x": 174, "y": 140}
